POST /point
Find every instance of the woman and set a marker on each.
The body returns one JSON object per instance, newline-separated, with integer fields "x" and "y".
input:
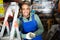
{"x": 32, "y": 27}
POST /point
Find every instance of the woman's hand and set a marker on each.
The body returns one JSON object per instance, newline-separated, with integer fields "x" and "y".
{"x": 30, "y": 35}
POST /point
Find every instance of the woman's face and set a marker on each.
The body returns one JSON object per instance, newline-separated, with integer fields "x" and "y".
{"x": 25, "y": 10}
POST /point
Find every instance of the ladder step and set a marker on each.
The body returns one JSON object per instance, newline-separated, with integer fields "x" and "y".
{"x": 7, "y": 38}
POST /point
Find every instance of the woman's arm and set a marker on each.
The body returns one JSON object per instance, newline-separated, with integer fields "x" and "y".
{"x": 40, "y": 26}
{"x": 20, "y": 28}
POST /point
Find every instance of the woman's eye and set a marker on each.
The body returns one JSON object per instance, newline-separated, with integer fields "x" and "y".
{"x": 23, "y": 9}
{"x": 27, "y": 8}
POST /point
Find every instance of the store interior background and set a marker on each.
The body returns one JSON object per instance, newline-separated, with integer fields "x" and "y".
{"x": 48, "y": 18}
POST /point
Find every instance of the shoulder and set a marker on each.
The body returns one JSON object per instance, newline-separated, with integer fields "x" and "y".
{"x": 36, "y": 16}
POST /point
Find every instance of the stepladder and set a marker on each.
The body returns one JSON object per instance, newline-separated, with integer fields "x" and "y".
{"x": 13, "y": 9}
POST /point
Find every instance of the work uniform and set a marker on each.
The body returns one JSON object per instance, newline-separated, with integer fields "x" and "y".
{"x": 33, "y": 25}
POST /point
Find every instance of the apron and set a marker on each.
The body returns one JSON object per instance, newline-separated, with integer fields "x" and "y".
{"x": 30, "y": 26}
